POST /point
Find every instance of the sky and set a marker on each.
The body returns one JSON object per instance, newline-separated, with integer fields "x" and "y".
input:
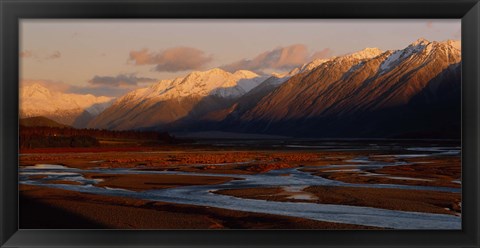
{"x": 112, "y": 57}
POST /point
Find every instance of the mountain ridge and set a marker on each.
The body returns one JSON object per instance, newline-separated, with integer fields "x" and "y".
{"x": 319, "y": 94}
{"x": 349, "y": 90}
{"x": 65, "y": 108}
{"x": 176, "y": 98}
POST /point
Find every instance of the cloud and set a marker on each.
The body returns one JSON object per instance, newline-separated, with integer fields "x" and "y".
{"x": 279, "y": 58}
{"x": 172, "y": 60}
{"x": 282, "y": 58}
{"x": 120, "y": 80}
{"x": 40, "y": 56}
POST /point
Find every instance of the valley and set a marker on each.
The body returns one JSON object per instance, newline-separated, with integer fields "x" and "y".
{"x": 369, "y": 139}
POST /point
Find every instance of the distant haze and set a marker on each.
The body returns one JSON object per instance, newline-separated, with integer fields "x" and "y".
{"x": 112, "y": 57}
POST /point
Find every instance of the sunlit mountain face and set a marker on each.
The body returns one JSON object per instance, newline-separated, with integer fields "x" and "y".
{"x": 69, "y": 109}
{"x": 409, "y": 92}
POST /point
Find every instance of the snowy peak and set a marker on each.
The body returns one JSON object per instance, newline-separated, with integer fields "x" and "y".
{"x": 421, "y": 49}
{"x": 38, "y": 100}
{"x": 454, "y": 46}
{"x": 200, "y": 82}
{"x": 215, "y": 72}
{"x": 37, "y": 93}
{"x": 454, "y": 43}
{"x": 366, "y": 53}
{"x": 35, "y": 90}
{"x": 420, "y": 42}
{"x": 216, "y": 82}
{"x": 417, "y": 46}
{"x": 310, "y": 66}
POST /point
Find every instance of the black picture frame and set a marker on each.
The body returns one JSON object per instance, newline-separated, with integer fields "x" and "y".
{"x": 11, "y": 11}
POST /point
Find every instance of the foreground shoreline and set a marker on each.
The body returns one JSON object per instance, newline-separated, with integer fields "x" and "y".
{"x": 87, "y": 211}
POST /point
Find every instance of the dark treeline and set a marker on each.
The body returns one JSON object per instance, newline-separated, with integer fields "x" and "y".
{"x": 40, "y": 137}
{"x": 36, "y": 141}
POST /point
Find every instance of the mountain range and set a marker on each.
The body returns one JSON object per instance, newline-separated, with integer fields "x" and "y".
{"x": 68, "y": 109}
{"x": 413, "y": 92}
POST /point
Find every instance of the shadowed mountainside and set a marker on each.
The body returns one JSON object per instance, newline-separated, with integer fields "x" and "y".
{"x": 412, "y": 92}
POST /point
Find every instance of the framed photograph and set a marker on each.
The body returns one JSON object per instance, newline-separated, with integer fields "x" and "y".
{"x": 239, "y": 123}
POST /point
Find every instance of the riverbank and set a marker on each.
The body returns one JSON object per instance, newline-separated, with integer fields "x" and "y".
{"x": 264, "y": 189}
{"x": 47, "y": 208}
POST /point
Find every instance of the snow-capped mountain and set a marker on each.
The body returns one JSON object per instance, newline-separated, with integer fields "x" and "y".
{"x": 365, "y": 93}
{"x": 170, "y": 100}
{"x": 216, "y": 82}
{"x": 370, "y": 90}
{"x": 37, "y": 100}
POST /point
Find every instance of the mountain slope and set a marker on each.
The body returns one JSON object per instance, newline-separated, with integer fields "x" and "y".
{"x": 37, "y": 100}
{"x": 411, "y": 92}
{"x": 350, "y": 96}
{"x": 170, "y": 100}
